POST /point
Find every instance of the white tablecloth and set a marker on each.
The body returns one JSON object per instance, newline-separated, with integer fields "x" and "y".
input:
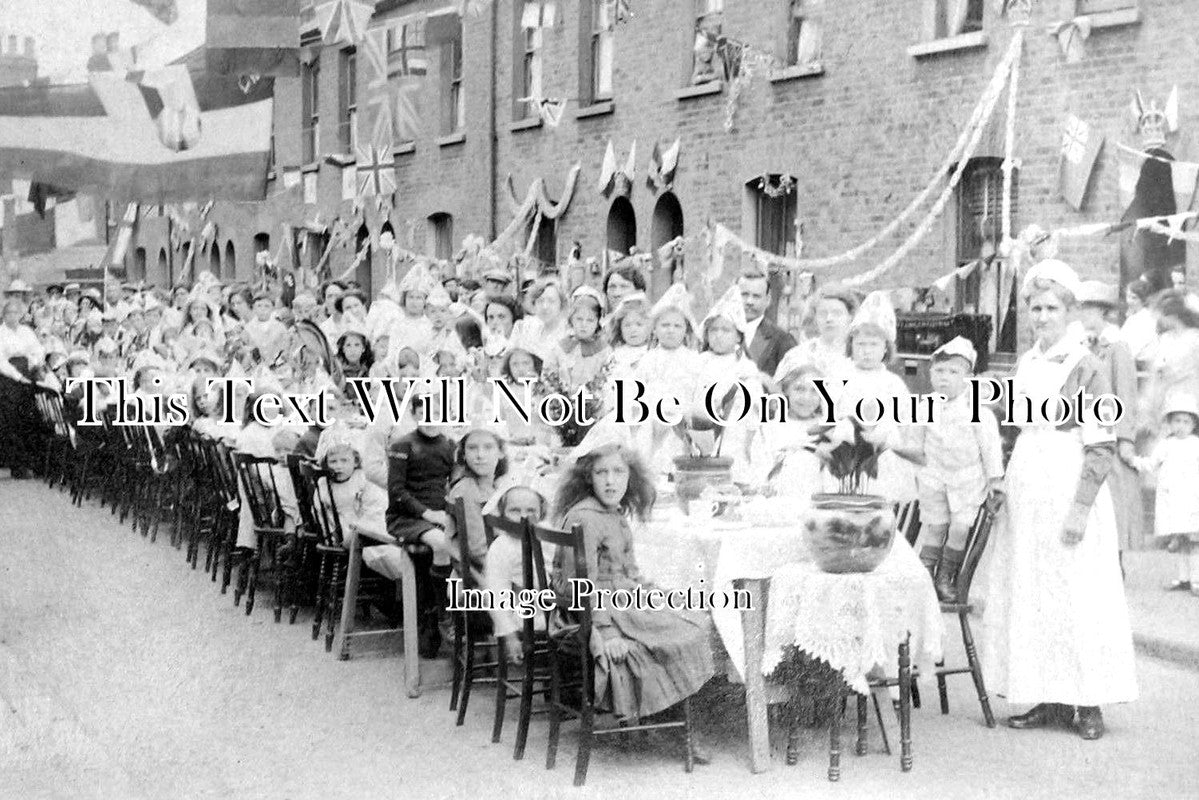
{"x": 855, "y": 622}
{"x": 676, "y": 551}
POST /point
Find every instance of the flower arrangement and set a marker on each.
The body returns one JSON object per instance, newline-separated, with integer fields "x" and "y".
{"x": 702, "y": 436}
{"x": 848, "y": 455}
{"x": 551, "y": 382}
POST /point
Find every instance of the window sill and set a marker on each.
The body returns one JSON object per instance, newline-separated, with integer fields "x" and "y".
{"x": 407, "y": 148}
{"x": 700, "y": 90}
{"x": 313, "y": 166}
{"x": 1115, "y": 19}
{"x": 342, "y": 160}
{"x": 597, "y": 109}
{"x": 526, "y": 124}
{"x": 951, "y": 44}
{"x": 797, "y": 71}
{"x": 452, "y": 139}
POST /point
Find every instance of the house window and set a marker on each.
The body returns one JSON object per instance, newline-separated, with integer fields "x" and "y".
{"x": 309, "y": 107}
{"x": 453, "y": 99}
{"x": 804, "y": 32}
{"x": 622, "y": 226}
{"x": 531, "y": 17}
{"x": 955, "y": 17}
{"x": 595, "y": 69}
{"x": 980, "y": 209}
{"x": 545, "y": 244}
{"x": 706, "y": 63}
{"x": 138, "y": 272}
{"x": 774, "y": 205}
{"x": 442, "y": 226}
{"x": 347, "y": 128}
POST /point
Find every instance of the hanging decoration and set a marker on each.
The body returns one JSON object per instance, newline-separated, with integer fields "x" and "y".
{"x": 1154, "y": 123}
{"x": 1081, "y": 144}
{"x": 1071, "y": 37}
{"x": 776, "y": 186}
{"x": 375, "y": 171}
{"x": 742, "y": 63}
{"x": 343, "y": 23}
{"x": 614, "y": 179}
{"x": 542, "y": 204}
{"x": 1184, "y": 175}
{"x": 662, "y": 164}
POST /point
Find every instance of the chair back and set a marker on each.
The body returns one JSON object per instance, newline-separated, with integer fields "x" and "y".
{"x": 457, "y": 512}
{"x": 222, "y": 473}
{"x": 976, "y": 543}
{"x": 908, "y": 521}
{"x": 323, "y": 505}
{"x": 305, "y": 488}
{"x": 258, "y": 482}
{"x": 569, "y": 542}
{"x": 50, "y": 405}
{"x": 523, "y": 532}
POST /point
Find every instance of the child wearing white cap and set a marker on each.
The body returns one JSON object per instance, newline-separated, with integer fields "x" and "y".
{"x": 1175, "y": 459}
{"x": 963, "y": 460}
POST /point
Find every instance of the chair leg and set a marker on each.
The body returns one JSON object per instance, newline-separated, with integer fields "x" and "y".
{"x": 834, "y": 743}
{"x": 322, "y": 590}
{"x": 976, "y": 670}
{"x": 551, "y": 749}
{"x": 335, "y": 600}
{"x": 501, "y": 689}
{"x": 861, "y": 744}
{"x": 586, "y": 738}
{"x": 688, "y": 738}
{"x": 882, "y": 728}
{"x": 942, "y": 689}
{"x": 468, "y": 670}
{"x": 281, "y": 580}
{"x": 300, "y": 562}
{"x": 456, "y": 659}
{"x": 792, "y": 753}
{"x": 915, "y": 693}
{"x": 905, "y": 707}
{"x": 526, "y": 704}
{"x": 255, "y": 565}
{"x": 410, "y": 611}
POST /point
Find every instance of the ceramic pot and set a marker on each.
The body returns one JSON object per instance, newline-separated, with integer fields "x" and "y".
{"x": 849, "y": 533}
{"x": 694, "y": 474}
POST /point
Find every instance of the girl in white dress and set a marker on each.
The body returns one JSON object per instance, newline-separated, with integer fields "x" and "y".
{"x": 630, "y": 334}
{"x": 1175, "y": 459}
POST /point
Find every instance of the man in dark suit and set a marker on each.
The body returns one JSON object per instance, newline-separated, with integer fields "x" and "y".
{"x": 765, "y": 342}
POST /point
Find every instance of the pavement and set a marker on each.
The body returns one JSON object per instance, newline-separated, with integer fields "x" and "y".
{"x": 125, "y": 675}
{"x": 1165, "y": 624}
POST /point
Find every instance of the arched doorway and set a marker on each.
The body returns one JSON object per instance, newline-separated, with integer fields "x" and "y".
{"x": 164, "y": 268}
{"x": 137, "y": 270}
{"x": 667, "y": 224}
{"x": 441, "y": 242}
{"x": 214, "y": 259}
{"x": 363, "y": 274}
{"x": 230, "y": 260}
{"x": 622, "y": 226}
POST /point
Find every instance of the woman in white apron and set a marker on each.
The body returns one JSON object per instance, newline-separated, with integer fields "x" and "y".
{"x": 1055, "y": 626}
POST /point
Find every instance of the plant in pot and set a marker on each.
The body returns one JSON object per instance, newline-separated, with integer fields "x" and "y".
{"x": 703, "y": 466}
{"x": 849, "y": 530}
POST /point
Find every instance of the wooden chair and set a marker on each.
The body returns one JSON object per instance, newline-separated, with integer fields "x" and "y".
{"x": 976, "y": 543}
{"x": 308, "y": 533}
{"x": 222, "y": 543}
{"x": 342, "y": 584}
{"x": 574, "y": 644}
{"x": 907, "y": 521}
{"x": 533, "y": 643}
{"x": 471, "y": 628}
{"x": 257, "y": 476}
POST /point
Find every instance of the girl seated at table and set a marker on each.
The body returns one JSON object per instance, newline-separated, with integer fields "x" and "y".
{"x": 480, "y": 460}
{"x": 647, "y": 661}
{"x": 502, "y": 568}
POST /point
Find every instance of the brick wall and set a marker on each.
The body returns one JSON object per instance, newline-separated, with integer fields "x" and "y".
{"x": 862, "y": 137}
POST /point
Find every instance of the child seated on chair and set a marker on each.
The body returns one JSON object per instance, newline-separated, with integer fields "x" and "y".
{"x": 361, "y": 505}
{"x": 963, "y": 463}
{"x": 481, "y": 459}
{"x": 503, "y": 566}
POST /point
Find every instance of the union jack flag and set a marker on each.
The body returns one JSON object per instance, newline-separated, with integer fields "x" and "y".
{"x": 376, "y": 171}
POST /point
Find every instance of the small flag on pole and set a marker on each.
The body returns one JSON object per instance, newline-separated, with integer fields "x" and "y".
{"x": 1081, "y": 144}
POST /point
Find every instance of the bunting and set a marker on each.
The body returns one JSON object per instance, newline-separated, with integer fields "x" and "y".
{"x": 1184, "y": 176}
{"x": 253, "y": 38}
{"x": 343, "y": 22}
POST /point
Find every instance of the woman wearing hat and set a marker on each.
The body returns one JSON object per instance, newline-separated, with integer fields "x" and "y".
{"x": 1176, "y": 361}
{"x": 1095, "y": 301}
{"x": 22, "y": 359}
{"x": 1055, "y": 629}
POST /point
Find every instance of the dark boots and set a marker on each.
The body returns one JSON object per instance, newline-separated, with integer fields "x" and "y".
{"x": 1055, "y": 715}
{"x": 433, "y": 611}
{"x": 943, "y": 565}
{"x": 947, "y": 575}
{"x": 1043, "y": 715}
